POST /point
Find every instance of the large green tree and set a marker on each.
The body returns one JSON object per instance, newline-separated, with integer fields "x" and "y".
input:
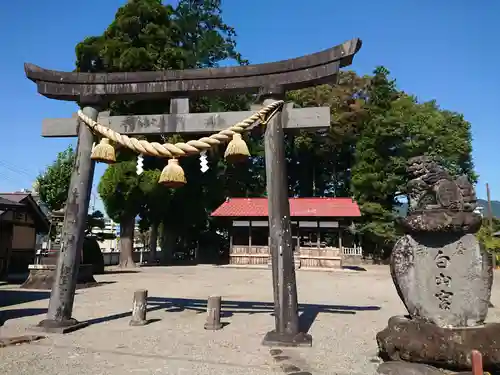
{"x": 53, "y": 183}
{"x": 394, "y": 128}
{"x": 320, "y": 162}
{"x": 374, "y": 129}
{"x": 155, "y": 207}
{"x": 378, "y": 160}
{"x": 120, "y": 191}
{"x": 147, "y": 35}
{"x": 486, "y": 237}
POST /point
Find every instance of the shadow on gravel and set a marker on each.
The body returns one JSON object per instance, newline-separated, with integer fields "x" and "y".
{"x": 12, "y": 297}
{"x": 117, "y": 272}
{"x": 19, "y": 313}
{"x": 354, "y": 268}
{"x": 307, "y": 312}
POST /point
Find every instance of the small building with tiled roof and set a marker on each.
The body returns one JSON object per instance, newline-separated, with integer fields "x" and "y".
{"x": 21, "y": 219}
{"x": 320, "y": 229}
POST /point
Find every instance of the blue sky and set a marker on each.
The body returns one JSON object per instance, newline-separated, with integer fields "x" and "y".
{"x": 443, "y": 50}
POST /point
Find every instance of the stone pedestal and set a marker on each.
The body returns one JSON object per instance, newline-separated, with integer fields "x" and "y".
{"x": 60, "y": 327}
{"x": 443, "y": 278}
{"x": 42, "y": 276}
{"x": 274, "y": 338}
{"x": 450, "y": 348}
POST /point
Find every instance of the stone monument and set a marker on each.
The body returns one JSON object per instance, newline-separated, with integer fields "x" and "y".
{"x": 41, "y": 275}
{"x": 442, "y": 276}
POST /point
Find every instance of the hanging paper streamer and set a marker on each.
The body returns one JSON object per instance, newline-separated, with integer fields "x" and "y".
{"x": 140, "y": 161}
{"x": 203, "y": 161}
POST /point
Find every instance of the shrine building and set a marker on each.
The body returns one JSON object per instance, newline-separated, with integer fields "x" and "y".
{"x": 320, "y": 230}
{"x": 21, "y": 219}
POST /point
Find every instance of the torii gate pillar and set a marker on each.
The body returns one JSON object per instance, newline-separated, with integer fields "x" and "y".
{"x": 59, "y": 315}
{"x": 287, "y": 330}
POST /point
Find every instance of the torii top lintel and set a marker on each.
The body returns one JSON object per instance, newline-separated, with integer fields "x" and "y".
{"x": 309, "y": 70}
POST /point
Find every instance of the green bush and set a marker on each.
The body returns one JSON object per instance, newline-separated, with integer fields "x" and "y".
{"x": 92, "y": 255}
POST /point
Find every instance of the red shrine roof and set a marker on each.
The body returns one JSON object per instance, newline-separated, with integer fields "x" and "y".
{"x": 299, "y": 207}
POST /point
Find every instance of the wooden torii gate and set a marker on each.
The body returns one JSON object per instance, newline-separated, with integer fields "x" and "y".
{"x": 270, "y": 81}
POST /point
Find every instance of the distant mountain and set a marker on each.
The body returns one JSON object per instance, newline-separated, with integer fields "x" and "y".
{"x": 495, "y": 208}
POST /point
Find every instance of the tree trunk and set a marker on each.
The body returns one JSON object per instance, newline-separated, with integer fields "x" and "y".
{"x": 153, "y": 242}
{"x": 127, "y": 226}
{"x": 196, "y": 252}
{"x": 167, "y": 245}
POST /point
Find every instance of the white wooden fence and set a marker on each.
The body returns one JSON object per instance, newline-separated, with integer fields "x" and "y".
{"x": 113, "y": 258}
{"x": 352, "y": 251}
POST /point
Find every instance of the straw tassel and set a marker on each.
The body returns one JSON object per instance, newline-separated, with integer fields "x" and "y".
{"x": 104, "y": 152}
{"x": 173, "y": 175}
{"x": 237, "y": 150}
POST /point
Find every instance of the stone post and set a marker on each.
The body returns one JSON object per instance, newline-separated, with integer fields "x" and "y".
{"x": 139, "y": 308}
{"x": 213, "y": 313}
{"x": 59, "y": 315}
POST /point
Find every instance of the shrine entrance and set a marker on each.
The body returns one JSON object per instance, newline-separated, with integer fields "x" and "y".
{"x": 269, "y": 81}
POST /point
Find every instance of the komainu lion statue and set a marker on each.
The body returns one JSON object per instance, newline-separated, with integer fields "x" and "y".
{"x": 437, "y": 200}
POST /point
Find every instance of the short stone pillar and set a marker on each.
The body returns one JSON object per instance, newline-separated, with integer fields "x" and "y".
{"x": 213, "y": 313}
{"x": 139, "y": 308}
{"x": 442, "y": 276}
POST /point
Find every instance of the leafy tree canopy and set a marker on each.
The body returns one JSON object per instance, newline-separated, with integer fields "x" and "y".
{"x": 53, "y": 183}
{"x": 395, "y": 127}
{"x": 147, "y": 36}
{"x": 485, "y": 235}
{"x": 375, "y": 128}
{"x": 120, "y": 190}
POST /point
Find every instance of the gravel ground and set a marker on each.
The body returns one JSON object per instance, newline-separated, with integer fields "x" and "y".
{"x": 348, "y": 308}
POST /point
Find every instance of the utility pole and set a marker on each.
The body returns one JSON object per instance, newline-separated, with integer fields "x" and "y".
{"x": 490, "y": 211}
{"x": 92, "y": 205}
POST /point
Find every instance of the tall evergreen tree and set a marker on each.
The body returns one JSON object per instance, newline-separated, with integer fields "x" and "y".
{"x": 147, "y": 35}
{"x": 374, "y": 129}
{"x": 378, "y": 161}
{"x": 394, "y": 128}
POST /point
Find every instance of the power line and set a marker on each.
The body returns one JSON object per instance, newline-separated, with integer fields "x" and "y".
{"x": 18, "y": 178}
{"x": 15, "y": 169}
{"x": 11, "y": 183}
{"x": 8, "y": 178}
